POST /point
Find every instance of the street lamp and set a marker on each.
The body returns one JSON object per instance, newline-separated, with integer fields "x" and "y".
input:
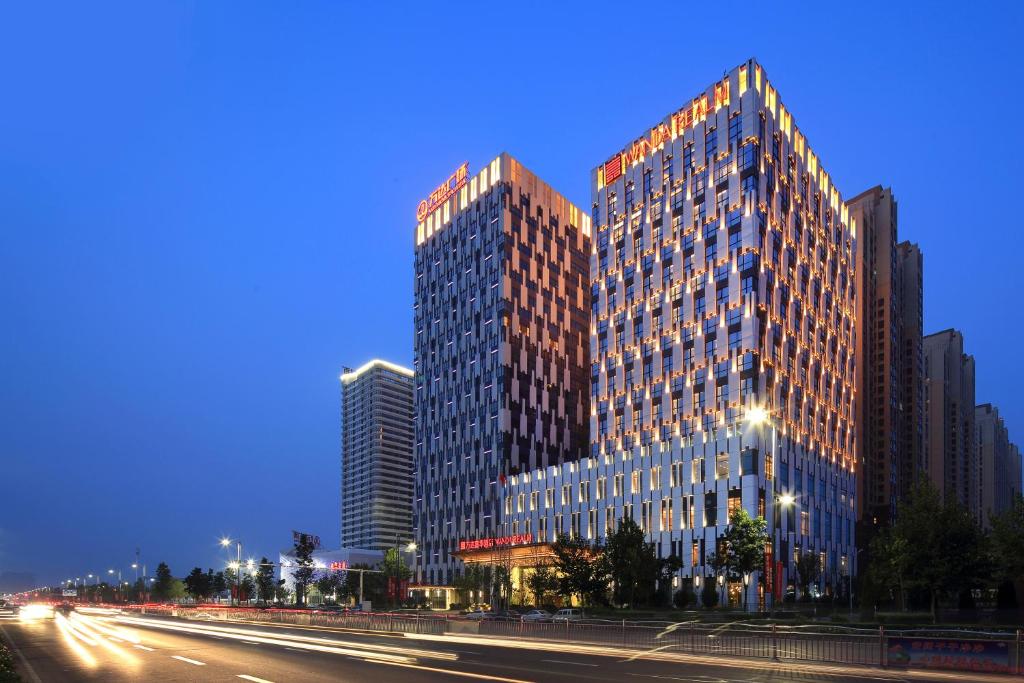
{"x": 225, "y": 543}
{"x": 758, "y": 416}
{"x": 411, "y": 549}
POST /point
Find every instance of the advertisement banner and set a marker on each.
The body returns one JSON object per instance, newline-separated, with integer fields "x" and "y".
{"x": 989, "y": 656}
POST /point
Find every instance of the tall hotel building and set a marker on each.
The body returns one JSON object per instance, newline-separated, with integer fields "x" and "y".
{"x": 502, "y": 297}
{"x": 722, "y": 291}
{"x": 376, "y": 456}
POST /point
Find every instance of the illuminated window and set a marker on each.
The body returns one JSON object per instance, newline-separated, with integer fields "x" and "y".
{"x": 634, "y": 484}
{"x": 722, "y": 465}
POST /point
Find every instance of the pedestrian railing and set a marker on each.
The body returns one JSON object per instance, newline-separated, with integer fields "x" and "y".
{"x": 959, "y": 650}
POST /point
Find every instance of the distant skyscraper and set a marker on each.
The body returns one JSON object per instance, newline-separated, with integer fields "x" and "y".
{"x": 502, "y": 300}
{"x": 376, "y": 456}
{"x": 879, "y": 280}
{"x": 912, "y": 419}
{"x": 950, "y": 449}
{"x": 890, "y": 410}
{"x": 998, "y": 463}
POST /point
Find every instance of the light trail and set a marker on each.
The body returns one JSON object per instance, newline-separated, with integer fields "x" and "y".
{"x": 450, "y": 672}
{"x": 70, "y": 639}
{"x": 359, "y": 650}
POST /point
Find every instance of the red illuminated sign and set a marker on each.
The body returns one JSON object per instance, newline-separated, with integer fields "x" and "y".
{"x": 443, "y": 192}
{"x": 662, "y": 133}
{"x": 496, "y": 542}
{"x": 339, "y": 566}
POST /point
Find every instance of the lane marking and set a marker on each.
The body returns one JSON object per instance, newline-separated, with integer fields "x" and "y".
{"x": 143, "y": 647}
{"x": 294, "y": 649}
{"x": 254, "y": 679}
{"x": 190, "y": 661}
{"x": 450, "y": 672}
{"x": 562, "y": 661}
{"x": 249, "y": 642}
{"x": 116, "y": 640}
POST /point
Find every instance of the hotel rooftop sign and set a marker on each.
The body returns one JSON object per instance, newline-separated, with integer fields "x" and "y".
{"x": 678, "y": 122}
{"x": 456, "y": 181}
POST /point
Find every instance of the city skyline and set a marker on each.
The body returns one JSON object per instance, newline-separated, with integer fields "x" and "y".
{"x": 185, "y": 371}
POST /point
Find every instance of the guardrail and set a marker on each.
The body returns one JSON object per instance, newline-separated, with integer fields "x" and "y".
{"x": 956, "y": 650}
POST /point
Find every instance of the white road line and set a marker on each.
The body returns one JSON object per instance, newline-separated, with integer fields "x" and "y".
{"x": 294, "y": 649}
{"x": 143, "y": 647}
{"x": 254, "y": 679}
{"x": 186, "y": 659}
{"x": 116, "y": 640}
{"x": 562, "y": 661}
{"x": 249, "y": 642}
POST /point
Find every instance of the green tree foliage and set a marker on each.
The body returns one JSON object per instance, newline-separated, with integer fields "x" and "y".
{"x": 219, "y": 583}
{"x": 935, "y": 547}
{"x": 176, "y": 591}
{"x": 265, "y": 583}
{"x": 329, "y": 584}
{"x": 581, "y": 569}
{"x": 248, "y": 587}
{"x": 198, "y": 585}
{"x": 303, "y": 571}
{"x": 162, "y": 586}
{"x": 808, "y": 570}
{"x": 1007, "y": 542}
{"x": 542, "y": 582}
{"x": 632, "y": 563}
{"x": 472, "y": 583}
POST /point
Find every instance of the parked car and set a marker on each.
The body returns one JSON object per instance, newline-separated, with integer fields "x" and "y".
{"x": 502, "y": 615}
{"x": 536, "y": 616}
{"x": 476, "y": 615}
{"x": 567, "y": 615}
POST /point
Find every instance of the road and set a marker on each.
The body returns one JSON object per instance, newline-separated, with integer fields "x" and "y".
{"x": 97, "y": 646}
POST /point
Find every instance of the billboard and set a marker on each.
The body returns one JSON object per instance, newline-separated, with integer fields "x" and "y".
{"x": 990, "y": 656}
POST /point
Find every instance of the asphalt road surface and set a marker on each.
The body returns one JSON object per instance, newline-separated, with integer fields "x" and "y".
{"x": 97, "y": 646}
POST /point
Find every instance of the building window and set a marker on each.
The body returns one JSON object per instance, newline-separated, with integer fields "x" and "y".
{"x": 722, "y": 466}
{"x": 666, "y": 514}
{"x": 617, "y": 485}
{"x": 634, "y": 484}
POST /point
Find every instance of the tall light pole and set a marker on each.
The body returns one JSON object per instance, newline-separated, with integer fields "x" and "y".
{"x": 411, "y": 548}
{"x": 225, "y": 543}
{"x": 758, "y": 416}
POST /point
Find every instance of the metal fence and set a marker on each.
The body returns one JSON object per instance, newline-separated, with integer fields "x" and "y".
{"x": 810, "y": 643}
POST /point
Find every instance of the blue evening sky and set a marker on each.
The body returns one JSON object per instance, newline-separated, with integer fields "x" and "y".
{"x": 207, "y": 209}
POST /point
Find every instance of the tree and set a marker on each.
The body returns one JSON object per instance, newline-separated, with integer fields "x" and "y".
{"x": 890, "y": 559}
{"x": 395, "y": 573}
{"x": 667, "y": 569}
{"x": 328, "y": 584}
{"x": 265, "y": 580}
{"x": 176, "y": 591}
{"x": 162, "y": 586}
{"x": 197, "y": 584}
{"x": 282, "y": 593}
{"x": 582, "y": 570}
{"x": 632, "y": 563}
{"x": 542, "y": 581}
{"x": 470, "y": 583}
{"x": 935, "y": 546}
{"x": 709, "y": 594}
{"x": 808, "y": 569}
{"x": 1006, "y": 544}
{"x": 219, "y": 583}
{"x": 303, "y": 572}
{"x": 248, "y": 587}
{"x": 744, "y": 543}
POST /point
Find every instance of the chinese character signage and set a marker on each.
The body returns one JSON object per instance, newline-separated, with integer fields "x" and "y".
{"x": 456, "y": 181}
{"x": 989, "y": 656}
{"x": 496, "y": 542}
